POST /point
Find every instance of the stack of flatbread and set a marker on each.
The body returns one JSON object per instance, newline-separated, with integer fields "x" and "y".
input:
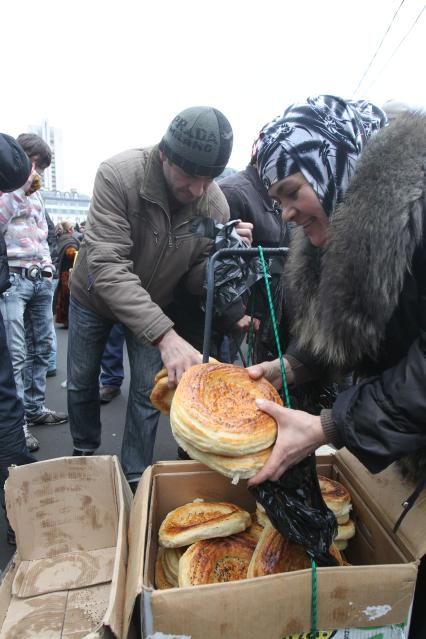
{"x": 216, "y": 542}
{"x": 338, "y": 500}
{"x": 215, "y": 419}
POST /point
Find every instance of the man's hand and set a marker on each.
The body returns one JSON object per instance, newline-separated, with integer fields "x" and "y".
{"x": 244, "y": 230}
{"x": 177, "y": 356}
{"x": 272, "y": 372}
{"x": 243, "y": 324}
{"x": 299, "y": 434}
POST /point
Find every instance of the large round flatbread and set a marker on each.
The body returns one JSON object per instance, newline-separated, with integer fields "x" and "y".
{"x": 214, "y": 408}
{"x": 233, "y": 467}
{"x": 216, "y": 560}
{"x": 201, "y": 520}
{"x": 274, "y": 554}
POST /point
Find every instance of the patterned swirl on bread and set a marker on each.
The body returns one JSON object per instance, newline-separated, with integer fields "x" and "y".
{"x": 214, "y": 410}
{"x": 275, "y": 554}
{"x": 216, "y": 560}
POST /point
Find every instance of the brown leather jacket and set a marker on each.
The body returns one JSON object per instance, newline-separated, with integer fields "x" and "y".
{"x": 134, "y": 251}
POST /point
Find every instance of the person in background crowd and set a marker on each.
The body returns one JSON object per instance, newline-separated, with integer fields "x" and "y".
{"x": 27, "y": 305}
{"x": 249, "y": 201}
{"x": 79, "y": 230}
{"x": 68, "y": 246}
{"x": 138, "y": 246}
{"x": 15, "y": 172}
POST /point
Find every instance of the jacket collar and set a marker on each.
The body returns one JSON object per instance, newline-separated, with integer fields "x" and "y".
{"x": 343, "y": 297}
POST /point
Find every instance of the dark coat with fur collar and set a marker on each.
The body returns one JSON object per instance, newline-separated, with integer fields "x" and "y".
{"x": 360, "y": 304}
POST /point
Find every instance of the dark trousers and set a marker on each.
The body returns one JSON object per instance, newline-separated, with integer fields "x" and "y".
{"x": 112, "y": 373}
{"x": 418, "y": 618}
{"x": 13, "y": 449}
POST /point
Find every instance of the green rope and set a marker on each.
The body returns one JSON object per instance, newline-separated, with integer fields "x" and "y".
{"x": 274, "y": 324}
{"x": 287, "y": 401}
{"x": 314, "y": 599}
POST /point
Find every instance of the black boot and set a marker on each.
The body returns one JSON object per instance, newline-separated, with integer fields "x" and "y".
{"x": 82, "y": 453}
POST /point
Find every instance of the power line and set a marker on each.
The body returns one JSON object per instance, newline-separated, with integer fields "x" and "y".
{"x": 378, "y": 48}
{"x": 404, "y": 38}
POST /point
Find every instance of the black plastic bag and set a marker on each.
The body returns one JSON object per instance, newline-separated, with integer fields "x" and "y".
{"x": 297, "y": 510}
{"x": 234, "y": 275}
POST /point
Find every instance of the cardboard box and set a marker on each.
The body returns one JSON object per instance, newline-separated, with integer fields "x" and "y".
{"x": 377, "y": 590}
{"x": 67, "y": 578}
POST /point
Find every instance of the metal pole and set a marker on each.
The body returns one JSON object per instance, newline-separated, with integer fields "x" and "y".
{"x": 248, "y": 252}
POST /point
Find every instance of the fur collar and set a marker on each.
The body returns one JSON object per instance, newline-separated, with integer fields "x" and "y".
{"x": 343, "y": 296}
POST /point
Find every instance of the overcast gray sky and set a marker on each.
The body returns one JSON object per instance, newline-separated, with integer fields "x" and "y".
{"x": 112, "y": 75}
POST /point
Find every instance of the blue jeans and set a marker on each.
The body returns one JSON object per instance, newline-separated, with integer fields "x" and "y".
{"x": 27, "y": 313}
{"x": 112, "y": 361}
{"x": 13, "y": 449}
{"x": 51, "y": 366}
{"x": 87, "y": 336}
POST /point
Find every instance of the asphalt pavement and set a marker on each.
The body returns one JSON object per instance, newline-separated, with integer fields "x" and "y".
{"x": 55, "y": 441}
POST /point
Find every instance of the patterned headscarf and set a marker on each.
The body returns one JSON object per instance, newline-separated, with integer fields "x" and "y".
{"x": 323, "y": 138}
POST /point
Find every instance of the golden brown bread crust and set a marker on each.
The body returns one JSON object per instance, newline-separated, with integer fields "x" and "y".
{"x": 255, "y": 529}
{"x": 161, "y": 395}
{"x": 214, "y": 409}
{"x": 161, "y": 581}
{"x": 261, "y": 515}
{"x": 274, "y": 554}
{"x": 201, "y": 520}
{"x": 336, "y": 554}
{"x": 216, "y": 560}
{"x": 241, "y": 467}
{"x": 335, "y": 496}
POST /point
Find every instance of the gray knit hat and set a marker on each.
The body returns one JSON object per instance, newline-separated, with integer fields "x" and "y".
{"x": 199, "y": 141}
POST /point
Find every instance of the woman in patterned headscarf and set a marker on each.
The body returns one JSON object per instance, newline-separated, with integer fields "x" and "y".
{"x": 356, "y": 277}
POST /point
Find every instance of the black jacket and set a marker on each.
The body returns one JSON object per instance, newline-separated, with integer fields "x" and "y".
{"x": 249, "y": 201}
{"x": 361, "y": 303}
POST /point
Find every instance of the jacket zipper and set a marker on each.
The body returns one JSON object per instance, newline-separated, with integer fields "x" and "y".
{"x": 157, "y": 240}
{"x": 168, "y": 244}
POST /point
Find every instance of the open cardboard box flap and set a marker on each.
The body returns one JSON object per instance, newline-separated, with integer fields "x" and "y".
{"x": 361, "y": 585}
{"x": 384, "y": 493}
{"x": 68, "y": 576}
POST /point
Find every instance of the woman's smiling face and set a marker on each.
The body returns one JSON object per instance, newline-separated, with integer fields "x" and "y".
{"x": 300, "y": 204}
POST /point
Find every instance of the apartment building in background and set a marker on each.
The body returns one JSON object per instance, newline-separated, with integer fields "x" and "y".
{"x": 53, "y": 179}
{"x": 68, "y": 205}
